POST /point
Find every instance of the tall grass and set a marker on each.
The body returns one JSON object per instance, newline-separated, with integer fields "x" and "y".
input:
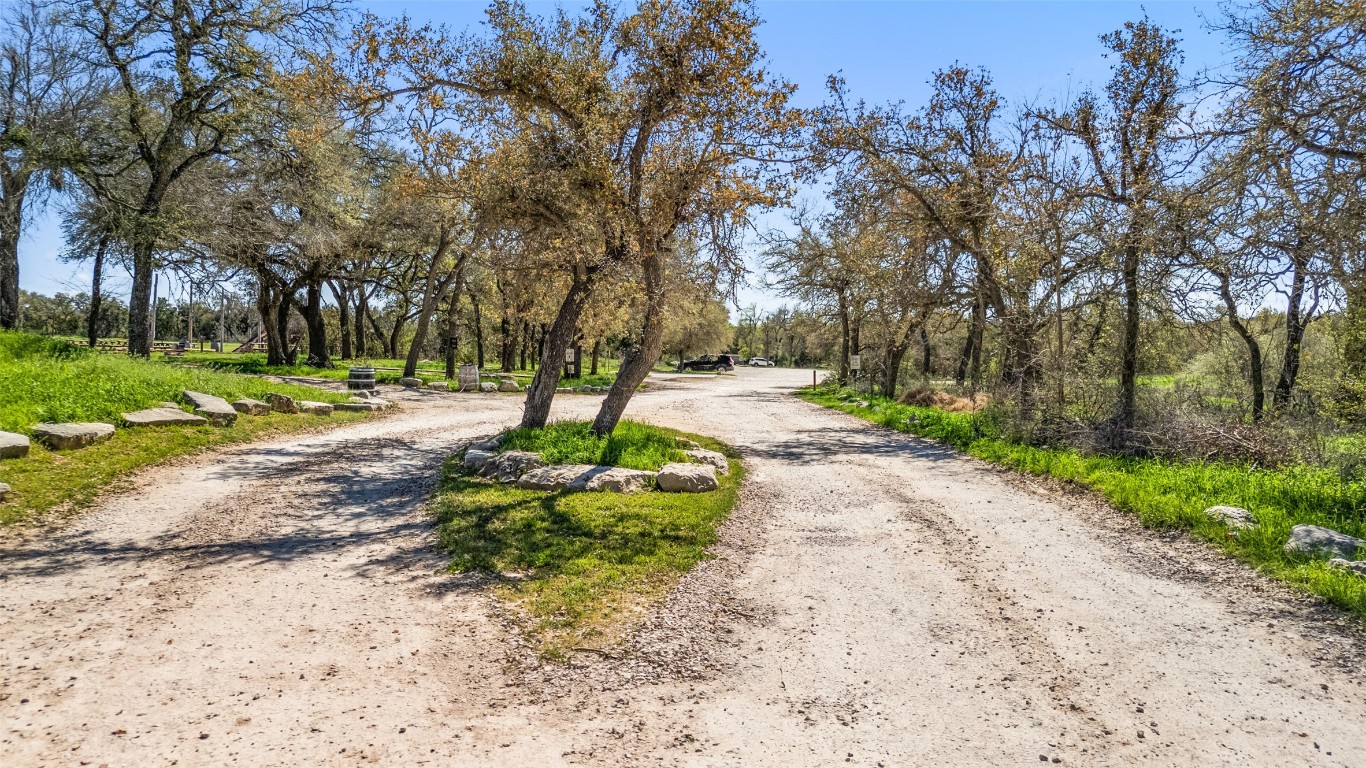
{"x": 44, "y": 379}
{"x": 1163, "y": 493}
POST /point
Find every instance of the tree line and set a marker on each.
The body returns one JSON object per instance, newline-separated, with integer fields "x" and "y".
{"x": 1062, "y": 243}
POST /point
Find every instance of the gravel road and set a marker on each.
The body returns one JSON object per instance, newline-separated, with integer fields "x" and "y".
{"x": 875, "y": 600}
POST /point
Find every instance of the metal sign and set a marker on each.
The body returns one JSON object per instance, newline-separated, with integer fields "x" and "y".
{"x": 569, "y": 355}
{"x": 855, "y": 362}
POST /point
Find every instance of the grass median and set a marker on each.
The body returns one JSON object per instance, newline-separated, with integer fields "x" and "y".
{"x": 582, "y": 568}
{"x": 47, "y": 380}
{"x": 1165, "y": 494}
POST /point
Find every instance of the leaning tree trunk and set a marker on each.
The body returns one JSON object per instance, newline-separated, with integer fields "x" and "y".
{"x": 895, "y": 354}
{"x": 11, "y": 218}
{"x": 1254, "y": 349}
{"x": 343, "y": 316}
{"x": 433, "y": 293}
{"x": 478, "y": 323}
{"x": 92, "y": 321}
{"x": 640, "y": 360}
{"x": 541, "y": 393}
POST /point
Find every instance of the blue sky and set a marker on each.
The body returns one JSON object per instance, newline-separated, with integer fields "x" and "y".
{"x": 1036, "y": 51}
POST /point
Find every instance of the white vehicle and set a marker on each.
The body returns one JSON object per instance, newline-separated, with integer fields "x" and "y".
{"x": 761, "y": 362}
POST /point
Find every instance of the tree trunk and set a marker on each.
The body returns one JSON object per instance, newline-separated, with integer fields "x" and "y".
{"x": 597, "y": 350}
{"x": 541, "y": 393}
{"x": 289, "y": 353}
{"x": 343, "y": 316}
{"x": 1295, "y": 322}
{"x": 895, "y": 354}
{"x": 507, "y": 356}
{"x": 1127, "y": 412}
{"x": 396, "y": 334}
{"x": 362, "y": 312}
{"x": 433, "y": 292}
{"x": 11, "y": 219}
{"x": 641, "y": 359}
{"x": 452, "y": 341}
{"x": 92, "y": 322}
{"x": 140, "y": 300}
{"x": 1254, "y": 349}
{"x": 924, "y": 351}
{"x": 843, "y": 378}
{"x": 318, "y": 354}
{"x": 379, "y": 332}
{"x": 478, "y": 323}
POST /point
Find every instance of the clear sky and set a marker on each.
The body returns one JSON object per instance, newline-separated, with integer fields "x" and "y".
{"x": 885, "y": 50}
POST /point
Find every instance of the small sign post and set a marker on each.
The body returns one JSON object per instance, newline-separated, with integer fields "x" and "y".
{"x": 855, "y": 362}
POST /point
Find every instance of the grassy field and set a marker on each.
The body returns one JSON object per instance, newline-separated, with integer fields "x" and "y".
{"x": 43, "y": 379}
{"x": 582, "y": 568}
{"x": 1166, "y": 494}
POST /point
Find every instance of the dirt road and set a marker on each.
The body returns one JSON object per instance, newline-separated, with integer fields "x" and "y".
{"x": 875, "y": 600}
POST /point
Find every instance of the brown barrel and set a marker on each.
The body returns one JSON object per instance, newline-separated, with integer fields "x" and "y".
{"x": 361, "y": 378}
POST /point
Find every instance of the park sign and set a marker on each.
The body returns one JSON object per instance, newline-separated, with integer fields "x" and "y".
{"x": 855, "y": 362}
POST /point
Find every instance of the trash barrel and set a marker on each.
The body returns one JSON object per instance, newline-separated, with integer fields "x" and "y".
{"x": 361, "y": 378}
{"x": 468, "y": 377}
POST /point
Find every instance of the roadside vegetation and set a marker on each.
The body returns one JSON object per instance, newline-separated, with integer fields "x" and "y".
{"x": 47, "y": 380}
{"x": 1163, "y": 493}
{"x": 582, "y": 568}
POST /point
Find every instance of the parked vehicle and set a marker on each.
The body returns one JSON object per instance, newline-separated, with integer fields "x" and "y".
{"x": 761, "y": 362}
{"x": 726, "y": 362}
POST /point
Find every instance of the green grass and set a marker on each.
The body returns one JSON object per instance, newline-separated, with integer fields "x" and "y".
{"x": 582, "y": 567}
{"x": 1167, "y": 494}
{"x": 44, "y": 379}
{"x": 633, "y": 445}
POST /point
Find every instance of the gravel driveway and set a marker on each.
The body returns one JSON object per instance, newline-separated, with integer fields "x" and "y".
{"x": 875, "y": 600}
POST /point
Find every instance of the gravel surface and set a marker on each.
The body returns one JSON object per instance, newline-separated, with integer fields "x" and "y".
{"x": 874, "y": 600}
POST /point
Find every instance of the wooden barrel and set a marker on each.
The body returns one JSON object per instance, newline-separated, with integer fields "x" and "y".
{"x": 361, "y": 378}
{"x": 468, "y": 378}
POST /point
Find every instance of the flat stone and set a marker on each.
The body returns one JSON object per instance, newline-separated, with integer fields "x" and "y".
{"x": 366, "y": 406}
{"x": 584, "y": 389}
{"x": 487, "y": 386}
{"x": 168, "y": 404}
{"x": 491, "y": 444}
{"x": 63, "y": 437}
{"x": 564, "y": 390}
{"x": 361, "y": 394}
{"x": 440, "y": 386}
{"x": 475, "y": 460}
{"x": 1322, "y": 542}
{"x": 614, "y": 480}
{"x": 384, "y": 405}
{"x": 282, "y": 403}
{"x": 163, "y": 417}
{"x": 13, "y": 445}
{"x": 686, "y": 443}
{"x": 4, "y": 490}
{"x": 712, "y": 458}
{"x": 212, "y": 407}
{"x": 411, "y": 383}
{"x": 508, "y": 385}
{"x": 315, "y": 408}
{"x": 1352, "y": 566}
{"x": 687, "y": 478}
{"x": 1233, "y": 517}
{"x": 507, "y": 467}
{"x": 251, "y": 407}
{"x": 554, "y": 478}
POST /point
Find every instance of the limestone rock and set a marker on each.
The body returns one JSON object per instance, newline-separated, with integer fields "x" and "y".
{"x": 4, "y": 490}
{"x": 491, "y": 444}
{"x": 704, "y": 456}
{"x": 214, "y": 408}
{"x": 1322, "y": 542}
{"x": 315, "y": 408}
{"x": 554, "y": 478}
{"x": 410, "y": 382}
{"x": 251, "y": 407}
{"x": 361, "y": 394}
{"x": 163, "y": 417}
{"x": 614, "y": 480}
{"x": 13, "y": 446}
{"x": 440, "y": 386}
{"x": 1353, "y": 566}
{"x": 564, "y": 390}
{"x": 383, "y": 404}
{"x": 508, "y": 385}
{"x": 507, "y": 467}
{"x": 687, "y": 478}
{"x": 282, "y": 403}
{"x": 583, "y": 390}
{"x": 487, "y": 386}
{"x": 475, "y": 460}
{"x": 1233, "y": 517}
{"x": 686, "y": 443}
{"x": 367, "y": 406}
{"x": 62, "y": 437}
